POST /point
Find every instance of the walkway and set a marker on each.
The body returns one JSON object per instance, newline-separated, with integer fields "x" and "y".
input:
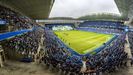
{"x": 128, "y": 51}
{"x": 20, "y": 68}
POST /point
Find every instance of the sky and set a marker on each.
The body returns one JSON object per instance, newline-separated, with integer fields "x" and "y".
{"x": 77, "y": 8}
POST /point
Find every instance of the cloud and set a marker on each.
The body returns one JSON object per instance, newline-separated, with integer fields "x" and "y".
{"x": 77, "y": 8}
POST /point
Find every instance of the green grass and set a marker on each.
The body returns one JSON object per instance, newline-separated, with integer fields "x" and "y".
{"x": 81, "y": 41}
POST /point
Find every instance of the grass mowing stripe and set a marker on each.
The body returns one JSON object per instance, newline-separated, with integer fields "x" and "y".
{"x": 97, "y": 45}
{"x": 85, "y": 38}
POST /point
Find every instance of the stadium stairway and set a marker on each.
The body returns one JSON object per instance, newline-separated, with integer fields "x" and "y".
{"x": 40, "y": 52}
{"x": 128, "y": 51}
{"x": 2, "y": 57}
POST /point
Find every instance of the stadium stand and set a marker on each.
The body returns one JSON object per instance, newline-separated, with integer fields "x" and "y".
{"x": 108, "y": 27}
{"x": 19, "y": 46}
{"x": 100, "y": 24}
{"x": 130, "y": 38}
{"x": 109, "y": 59}
{"x": 57, "y": 54}
{"x": 15, "y": 20}
{"x": 26, "y": 44}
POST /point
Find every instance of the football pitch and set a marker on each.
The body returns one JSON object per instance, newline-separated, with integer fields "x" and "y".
{"x": 82, "y": 41}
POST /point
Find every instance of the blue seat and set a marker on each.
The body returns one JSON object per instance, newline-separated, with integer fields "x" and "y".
{"x": 28, "y": 60}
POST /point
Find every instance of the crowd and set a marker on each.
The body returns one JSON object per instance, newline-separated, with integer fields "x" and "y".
{"x": 14, "y": 20}
{"x": 103, "y": 24}
{"x": 108, "y": 60}
{"x": 25, "y": 44}
{"x": 130, "y": 38}
{"x": 101, "y": 30}
{"x": 108, "y": 27}
{"x": 58, "y": 56}
{"x": 112, "y": 57}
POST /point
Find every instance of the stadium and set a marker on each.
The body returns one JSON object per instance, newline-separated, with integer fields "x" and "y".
{"x": 33, "y": 43}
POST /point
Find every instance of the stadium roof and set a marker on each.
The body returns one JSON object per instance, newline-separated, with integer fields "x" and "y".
{"x": 125, "y": 7}
{"x": 35, "y": 9}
